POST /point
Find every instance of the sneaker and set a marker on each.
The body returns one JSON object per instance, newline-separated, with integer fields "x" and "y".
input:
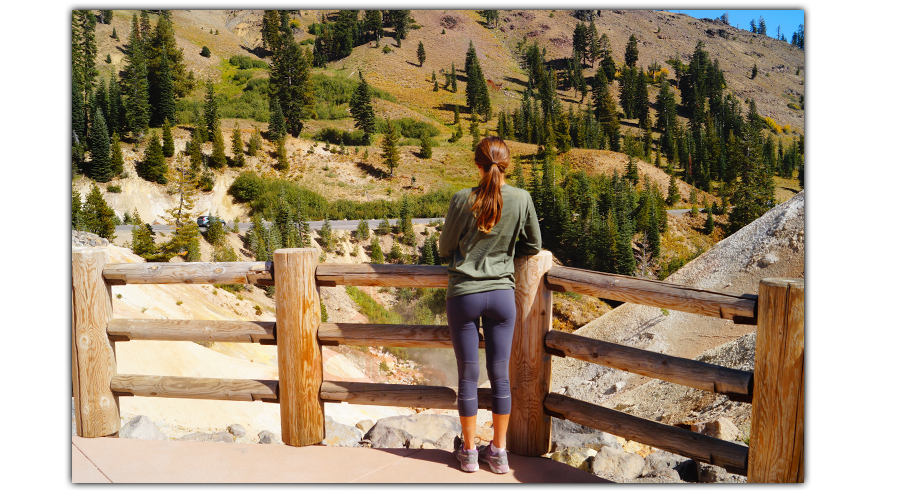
{"x": 468, "y": 459}
{"x": 497, "y": 461}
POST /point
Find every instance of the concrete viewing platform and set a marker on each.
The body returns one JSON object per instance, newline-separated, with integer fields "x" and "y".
{"x": 114, "y": 460}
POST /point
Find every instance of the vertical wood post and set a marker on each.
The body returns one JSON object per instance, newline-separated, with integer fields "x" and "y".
{"x": 776, "y": 435}
{"x": 529, "y": 367}
{"x": 93, "y": 355}
{"x": 297, "y": 318}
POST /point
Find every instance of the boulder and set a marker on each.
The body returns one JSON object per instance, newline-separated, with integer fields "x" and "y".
{"x": 713, "y": 474}
{"x": 237, "y": 430}
{"x": 267, "y": 437}
{"x": 338, "y": 434}
{"x": 208, "y": 437}
{"x": 721, "y": 428}
{"x": 658, "y": 463}
{"x": 141, "y": 427}
{"x": 566, "y": 434}
{"x": 400, "y": 431}
{"x": 618, "y": 463}
{"x": 364, "y": 425}
{"x": 578, "y": 457}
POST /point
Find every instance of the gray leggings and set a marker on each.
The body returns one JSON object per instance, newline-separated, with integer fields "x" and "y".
{"x": 497, "y": 310}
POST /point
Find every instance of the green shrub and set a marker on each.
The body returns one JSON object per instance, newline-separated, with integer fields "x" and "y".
{"x": 386, "y": 49}
{"x": 260, "y": 85}
{"x": 114, "y": 189}
{"x": 335, "y": 136}
{"x": 247, "y": 62}
{"x": 205, "y": 51}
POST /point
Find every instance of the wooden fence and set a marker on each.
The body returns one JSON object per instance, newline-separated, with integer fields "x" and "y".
{"x": 775, "y": 388}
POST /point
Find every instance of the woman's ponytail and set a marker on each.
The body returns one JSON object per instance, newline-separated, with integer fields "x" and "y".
{"x": 492, "y": 155}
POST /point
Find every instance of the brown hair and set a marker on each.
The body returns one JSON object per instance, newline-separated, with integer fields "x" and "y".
{"x": 492, "y": 156}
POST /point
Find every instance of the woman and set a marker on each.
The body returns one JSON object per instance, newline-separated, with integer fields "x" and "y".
{"x": 486, "y": 227}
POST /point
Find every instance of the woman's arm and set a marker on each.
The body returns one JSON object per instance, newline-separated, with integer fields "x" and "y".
{"x": 449, "y": 239}
{"x": 529, "y": 241}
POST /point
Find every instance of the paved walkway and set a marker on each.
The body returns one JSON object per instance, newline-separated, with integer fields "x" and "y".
{"x": 113, "y": 460}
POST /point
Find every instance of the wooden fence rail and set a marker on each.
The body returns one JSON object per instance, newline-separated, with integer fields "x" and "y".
{"x": 776, "y": 389}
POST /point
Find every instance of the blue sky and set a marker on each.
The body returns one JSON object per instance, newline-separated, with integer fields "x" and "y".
{"x": 740, "y": 18}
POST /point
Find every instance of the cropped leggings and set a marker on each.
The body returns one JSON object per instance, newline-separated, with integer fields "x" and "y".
{"x": 497, "y": 310}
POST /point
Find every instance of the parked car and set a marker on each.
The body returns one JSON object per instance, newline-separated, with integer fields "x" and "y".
{"x": 206, "y": 220}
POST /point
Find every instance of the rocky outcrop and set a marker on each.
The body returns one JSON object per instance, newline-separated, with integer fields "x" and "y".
{"x": 141, "y": 427}
{"x": 338, "y": 434}
{"x": 85, "y": 239}
{"x": 421, "y": 431}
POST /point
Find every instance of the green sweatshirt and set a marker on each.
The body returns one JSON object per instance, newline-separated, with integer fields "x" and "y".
{"x": 484, "y": 261}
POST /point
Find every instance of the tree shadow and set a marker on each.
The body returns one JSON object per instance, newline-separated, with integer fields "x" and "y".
{"x": 259, "y": 52}
{"x": 372, "y": 170}
{"x": 517, "y": 81}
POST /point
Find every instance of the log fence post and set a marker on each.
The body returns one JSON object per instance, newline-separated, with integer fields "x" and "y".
{"x": 297, "y": 318}
{"x": 776, "y": 435}
{"x": 529, "y": 367}
{"x": 93, "y": 355}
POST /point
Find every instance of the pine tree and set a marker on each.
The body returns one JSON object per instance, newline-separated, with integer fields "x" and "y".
{"x": 218, "y": 159}
{"x": 97, "y": 216}
{"x": 389, "y": 141}
{"x": 168, "y": 140}
{"x": 137, "y": 100}
{"x": 375, "y": 252}
{"x": 425, "y": 152}
{"x": 185, "y": 239}
{"x": 361, "y": 109}
{"x": 420, "y": 53}
{"x": 653, "y": 229}
{"x": 84, "y": 49}
{"x": 605, "y": 110}
{"x": 142, "y": 242}
{"x": 453, "y": 79}
{"x": 474, "y": 132}
{"x": 427, "y": 258}
{"x": 631, "y": 52}
{"x": 215, "y": 233}
{"x": 255, "y": 142}
{"x": 710, "y": 224}
{"x": 277, "y": 128}
{"x": 210, "y": 110}
{"x": 326, "y": 236}
{"x": 281, "y": 163}
{"x": 101, "y": 169}
{"x": 289, "y": 81}
{"x": 674, "y": 195}
{"x": 237, "y": 147}
{"x": 153, "y": 167}
{"x": 362, "y": 231}
{"x": 77, "y": 215}
{"x": 117, "y": 162}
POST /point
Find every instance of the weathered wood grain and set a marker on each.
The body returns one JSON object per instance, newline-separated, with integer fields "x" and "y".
{"x": 191, "y": 330}
{"x": 196, "y": 388}
{"x": 413, "y": 396}
{"x": 93, "y": 356}
{"x": 776, "y": 433}
{"x": 730, "y": 456}
{"x": 297, "y": 316}
{"x": 529, "y": 366}
{"x": 197, "y": 273}
{"x": 736, "y": 384}
{"x": 387, "y": 275}
{"x": 739, "y": 308}
{"x": 386, "y": 335}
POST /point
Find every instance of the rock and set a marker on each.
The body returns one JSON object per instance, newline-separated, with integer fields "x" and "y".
{"x": 666, "y": 475}
{"x": 427, "y": 427}
{"x": 387, "y": 437}
{"x": 617, "y": 462}
{"x": 141, "y": 427}
{"x": 566, "y": 434}
{"x": 767, "y": 260}
{"x": 338, "y": 434}
{"x": 579, "y": 457}
{"x": 449, "y": 441}
{"x": 721, "y": 428}
{"x": 267, "y": 437}
{"x": 713, "y": 474}
{"x": 208, "y": 437}
{"x": 364, "y": 425}
{"x": 237, "y": 430}
{"x": 658, "y": 462}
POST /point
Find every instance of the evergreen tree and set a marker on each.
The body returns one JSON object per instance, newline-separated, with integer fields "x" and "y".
{"x": 101, "y": 169}
{"x": 185, "y": 239}
{"x": 237, "y": 147}
{"x": 653, "y": 229}
{"x": 163, "y": 92}
{"x": 210, "y": 110}
{"x": 161, "y": 44}
{"x": 84, "y": 49}
{"x": 631, "y": 52}
{"x": 153, "y": 167}
{"x": 474, "y": 132}
{"x": 168, "y": 140}
{"x": 427, "y": 258}
{"x": 142, "y": 242}
{"x": 117, "y": 162}
{"x": 710, "y": 224}
{"x": 607, "y": 63}
{"x": 361, "y": 109}
{"x": 326, "y": 236}
{"x": 362, "y": 231}
{"x": 215, "y": 233}
{"x": 281, "y": 162}
{"x": 605, "y": 110}
{"x": 425, "y": 152}
{"x": 389, "y": 141}
{"x": 137, "y": 100}
{"x": 453, "y": 81}
{"x": 761, "y": 29}
{"x": 255, "y": 142}
{"x": 98, "y": 217}
{"x": 373, "y": 25}
{"x": 115, "y": 115}
{"x": 194, "y": 152}
{"x": 218, "y": 159}
{"x": 420, "y": 53}
{"x": 77, "y": 215}
{"x": 277, "y": 129}
{"x": 674, "y": 195}
{"x": 375, "y": 252}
